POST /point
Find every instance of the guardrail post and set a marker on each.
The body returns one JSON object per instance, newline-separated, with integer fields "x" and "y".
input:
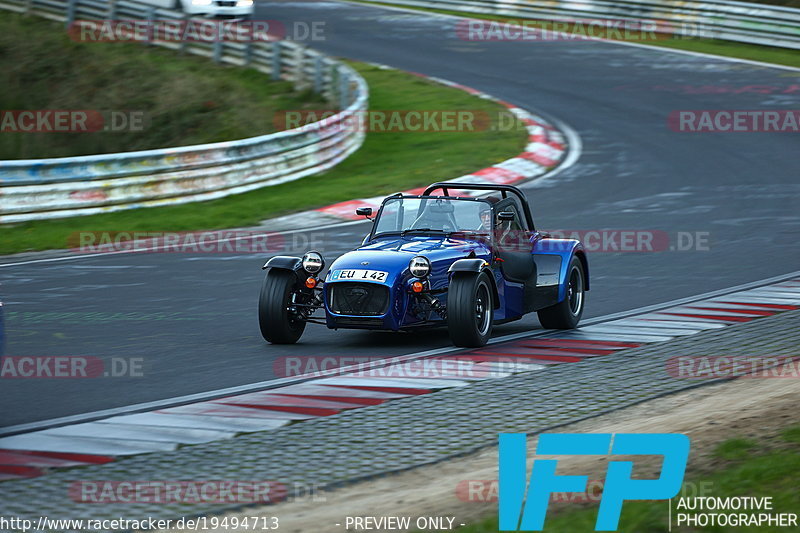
{"x": 151, "y": 16}
{"x": 218, "y": 49}
{"x": 184, "y": 41}
{"x": 112, "y": 9}
{"x": 318, "y": 66}
{"x": 276, "y": 60}
{"x": 70, "y": 12}
{"x": 248, "y": 53}
{"x": 28, "y": 6}
{"x": 344, "y": 89}
{"x": 300, "y": 79}
{"x": 332, "y": 87}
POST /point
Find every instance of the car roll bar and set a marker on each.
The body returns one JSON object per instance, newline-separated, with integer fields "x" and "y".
{"x": 503, "y": 189}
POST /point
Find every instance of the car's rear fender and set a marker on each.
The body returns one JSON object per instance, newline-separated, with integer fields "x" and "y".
{"x": 553, "y": 257}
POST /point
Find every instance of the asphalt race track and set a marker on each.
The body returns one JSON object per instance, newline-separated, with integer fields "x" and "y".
{"x": 192, "y": 318}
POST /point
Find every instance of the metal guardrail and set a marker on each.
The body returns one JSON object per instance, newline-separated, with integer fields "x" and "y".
{"x": 69, "y": 186}
{"x": 717, "y": 19}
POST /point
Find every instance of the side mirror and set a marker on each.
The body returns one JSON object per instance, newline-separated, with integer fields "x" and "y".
{"x": 364, "y": 212}
{"x": 506, "y": 216}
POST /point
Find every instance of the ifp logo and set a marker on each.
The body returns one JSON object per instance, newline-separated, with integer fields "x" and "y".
{"x": 523, "y": 508}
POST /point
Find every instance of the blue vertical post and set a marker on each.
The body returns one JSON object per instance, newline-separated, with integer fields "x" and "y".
{"x": 70, "y": 12}
{"x": 344, "y": 89}
{"x": 276, "y": 60}
{"x": 318, "y": 74}
{"x": 248, "y": 53}
{"x": 218, "y": 49}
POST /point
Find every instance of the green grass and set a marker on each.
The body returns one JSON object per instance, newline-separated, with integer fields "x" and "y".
{"x": 184, "y": 99}
{"x": 733, "y": 449}
{"x": 387, "y": 162}
{"x": 771, "y": 471}
{"x": 787, "y": 3}
{"x": 792, "y": 435}
{"x": 754, "y": 52}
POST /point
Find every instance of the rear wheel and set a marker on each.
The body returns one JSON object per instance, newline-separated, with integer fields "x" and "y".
{"x": 567, "y": 313}
{"x": 278, "y": 324}
{"x": 470, "y": 309}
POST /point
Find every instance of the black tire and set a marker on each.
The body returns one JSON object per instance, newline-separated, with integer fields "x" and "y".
{"x": 470, "y": 309}
{"x": 277, "y": 325}
{"x": 567, "y": 313}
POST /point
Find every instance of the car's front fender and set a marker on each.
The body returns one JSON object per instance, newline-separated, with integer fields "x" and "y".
{"x": 284, "y": 262}
{"x": 472, "y": 264}
{"x": 476, "y": 266}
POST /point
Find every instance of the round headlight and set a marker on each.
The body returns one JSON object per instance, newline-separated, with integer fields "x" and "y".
{"x": 313, "y": 262}
{"x": 420, "y": 266}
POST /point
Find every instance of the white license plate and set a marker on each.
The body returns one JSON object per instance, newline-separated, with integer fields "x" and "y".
{"x": 359, "y": 275}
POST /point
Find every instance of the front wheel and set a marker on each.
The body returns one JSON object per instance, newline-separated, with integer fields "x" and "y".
{"x": 278, "y": 324}
{"x": 567, "y": 313}
{"x": 470, "y": 309}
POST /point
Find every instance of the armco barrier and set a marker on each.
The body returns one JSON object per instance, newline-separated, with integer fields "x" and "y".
{"x": 717, "y": 19}
{"x": 69, "y": 186}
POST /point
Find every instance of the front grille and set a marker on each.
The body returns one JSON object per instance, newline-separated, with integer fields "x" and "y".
{"x": 361, "y": 322}
{"x": 361, "y": 299}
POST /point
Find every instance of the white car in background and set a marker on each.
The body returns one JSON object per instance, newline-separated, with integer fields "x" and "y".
{"x": 231, "y": 9}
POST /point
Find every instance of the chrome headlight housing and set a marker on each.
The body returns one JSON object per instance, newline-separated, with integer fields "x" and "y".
{"x": 419, "y": 266}
{"x": 313, "y": 262}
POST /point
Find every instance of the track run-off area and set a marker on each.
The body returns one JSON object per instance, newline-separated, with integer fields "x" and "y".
{"x": 727, "y": 203}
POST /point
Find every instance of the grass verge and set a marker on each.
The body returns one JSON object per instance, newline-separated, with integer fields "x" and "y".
{"x": 181, "y": 99}
{"x": 753, "y": 52}
{"x": 742, "y": 468}
{"x": 387, "y": 162}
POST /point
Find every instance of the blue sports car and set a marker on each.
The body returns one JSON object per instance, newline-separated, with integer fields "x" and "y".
{"x": 447, "y": 257}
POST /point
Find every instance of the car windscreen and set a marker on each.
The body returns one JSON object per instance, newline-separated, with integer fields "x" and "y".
{"x": 445, "y": 215}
